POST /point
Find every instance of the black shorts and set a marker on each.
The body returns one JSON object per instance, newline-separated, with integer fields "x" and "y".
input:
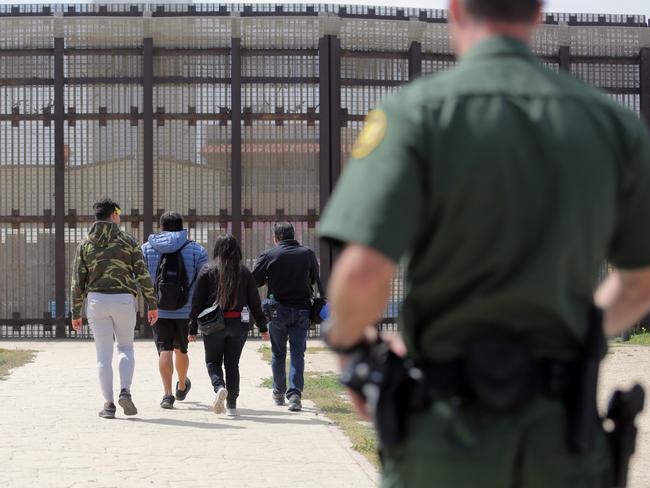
{"x": 171, "y": 334}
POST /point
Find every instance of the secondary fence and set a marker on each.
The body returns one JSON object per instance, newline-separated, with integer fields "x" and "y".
{"x": 236, "y": 116}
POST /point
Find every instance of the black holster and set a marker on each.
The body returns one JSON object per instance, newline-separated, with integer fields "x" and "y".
{"x": 584, "y": 421}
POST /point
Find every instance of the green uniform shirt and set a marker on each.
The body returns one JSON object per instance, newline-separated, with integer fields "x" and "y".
{"x": 504, "y": 186}
{"x": 109, "y": 261}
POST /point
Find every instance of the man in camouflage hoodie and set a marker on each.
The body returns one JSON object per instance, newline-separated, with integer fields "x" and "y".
{"x": 108, "y": 270}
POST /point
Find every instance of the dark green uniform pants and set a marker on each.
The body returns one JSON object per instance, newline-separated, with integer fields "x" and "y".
{"x": 523, "y": 450}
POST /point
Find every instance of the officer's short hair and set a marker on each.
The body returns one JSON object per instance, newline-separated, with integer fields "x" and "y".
{"x": 171, "y": 221}
{"x": 104, "y": 208}
{"x": 284, "y": 231}
{"x": 509, "y": 10}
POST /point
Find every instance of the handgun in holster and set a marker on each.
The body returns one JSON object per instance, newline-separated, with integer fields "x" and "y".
{"x": 623, "y": 410}
{"x": 391, "y": 387}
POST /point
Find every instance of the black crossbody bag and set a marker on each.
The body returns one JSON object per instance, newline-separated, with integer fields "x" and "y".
{"x": 211, "y": 320}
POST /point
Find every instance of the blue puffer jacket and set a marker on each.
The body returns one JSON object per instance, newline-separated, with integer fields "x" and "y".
{"x": 194, "y": 256}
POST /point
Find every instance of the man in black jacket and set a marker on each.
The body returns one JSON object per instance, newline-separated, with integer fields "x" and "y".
{"x": 290, "y": 271}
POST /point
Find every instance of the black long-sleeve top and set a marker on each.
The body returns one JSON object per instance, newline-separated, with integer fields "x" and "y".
{"x": 290, "y": 270}
{"x": 205, "y": 294}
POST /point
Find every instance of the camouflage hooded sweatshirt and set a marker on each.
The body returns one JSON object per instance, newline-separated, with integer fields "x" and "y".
{"x": 109, "y": 261}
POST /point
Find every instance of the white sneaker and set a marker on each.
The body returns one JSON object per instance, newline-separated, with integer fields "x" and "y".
{"x": 232, "y": 412}
{"x": 219, "y": 405}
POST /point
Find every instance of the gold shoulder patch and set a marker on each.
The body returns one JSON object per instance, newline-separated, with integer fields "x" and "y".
{"x": 371, "y": 135}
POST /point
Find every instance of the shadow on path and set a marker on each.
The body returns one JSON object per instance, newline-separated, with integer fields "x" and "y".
{"x": 281, "y": 411}
{"x": 274, "y": 417}
{"x": 184, "y": 423}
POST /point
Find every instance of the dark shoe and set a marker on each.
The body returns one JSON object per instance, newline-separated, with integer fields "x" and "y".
{"x": 295, "y": 405}
{"x": 181, "y": 394}
{"x": 278, "y": 398}
{"x": 167, "y": 402}
{"x": 126, "y": 402}
{"x": 108, "y": 412}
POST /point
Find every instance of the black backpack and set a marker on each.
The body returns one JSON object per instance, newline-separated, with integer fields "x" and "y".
{"x": 172, "y": 287}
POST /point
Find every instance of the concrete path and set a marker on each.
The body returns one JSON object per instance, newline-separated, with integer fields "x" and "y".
{"x": 52, "y": 436}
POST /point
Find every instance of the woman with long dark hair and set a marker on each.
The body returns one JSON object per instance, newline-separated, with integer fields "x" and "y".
{"x": 227, "y": 282}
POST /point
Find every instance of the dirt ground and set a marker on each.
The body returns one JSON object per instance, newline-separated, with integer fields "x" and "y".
{"x": 624, "y": 366}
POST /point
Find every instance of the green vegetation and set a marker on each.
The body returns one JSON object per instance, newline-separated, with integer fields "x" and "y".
{"x": 325, "y": 390}
{"x": 10, "y": 359}
{"x": 265, "y": 349}
{"x": 641, "y": 339}
{"x": 639, "y": 336}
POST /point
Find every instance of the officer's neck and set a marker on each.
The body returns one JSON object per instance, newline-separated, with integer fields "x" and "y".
{"x": 470, "y": 34}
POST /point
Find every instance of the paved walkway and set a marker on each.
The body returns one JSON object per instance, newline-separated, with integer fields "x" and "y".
{"x": 52, "y": 437}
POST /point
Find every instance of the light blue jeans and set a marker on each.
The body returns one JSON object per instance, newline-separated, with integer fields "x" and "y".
{"x": 112, "y": 316}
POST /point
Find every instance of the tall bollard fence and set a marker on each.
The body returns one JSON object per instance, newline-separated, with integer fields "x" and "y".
{"x": 235, "y": 116}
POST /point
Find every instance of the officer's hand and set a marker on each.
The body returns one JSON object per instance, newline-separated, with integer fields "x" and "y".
{"x": 77, "y": 324}
{"x": 191, "y": 338}
{"x": 265, "y": 335}
{"x": 395, "y": 342}
{"x": 152, "y": 315}
{"x": 357, "y": 400}
{"x": 359, "y": 405}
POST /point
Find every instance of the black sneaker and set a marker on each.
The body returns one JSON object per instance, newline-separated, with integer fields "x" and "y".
{"x": 108, "y": 412}
{"x": 278, "y": 398}
{"x": 126, "y": 402}
{"x": 167, "y": 402}
{"x": 295, "y": 405}
{"x": 182, "y": 394}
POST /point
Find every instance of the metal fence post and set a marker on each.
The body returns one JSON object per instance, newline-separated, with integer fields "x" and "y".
{"x": 645, "y": 83}
{"x": 330, "y": 132}
{"x": 147, "y": 109}
{"x": 565, "y": 59}
{"x": 236, "y": 135}
{"x": 60, "y": 261}
{"x": 415, "y": 60}
{"x": 335, "y": 107}
{"x": 324, "y": 134}
{"x": 147, "y": 113}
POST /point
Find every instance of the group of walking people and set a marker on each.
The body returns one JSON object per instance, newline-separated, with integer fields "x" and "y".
{"x": 178, "y": 282}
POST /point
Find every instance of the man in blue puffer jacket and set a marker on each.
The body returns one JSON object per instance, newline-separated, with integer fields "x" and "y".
{"x": 171, "y": 330}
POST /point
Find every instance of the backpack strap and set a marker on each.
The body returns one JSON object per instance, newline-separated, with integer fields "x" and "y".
{"x": 183, "y": 246}
{"x": 196, "y": 273}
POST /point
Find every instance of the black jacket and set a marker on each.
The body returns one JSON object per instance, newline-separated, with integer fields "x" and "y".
{"x": 205, "y": 294}
{"x": 290, "y": 271}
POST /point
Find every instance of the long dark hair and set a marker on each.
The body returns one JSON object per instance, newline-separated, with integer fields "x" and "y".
{"x": 227, "y": 265}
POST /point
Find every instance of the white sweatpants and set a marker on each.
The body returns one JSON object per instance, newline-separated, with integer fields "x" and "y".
{"x": 108, "y": 316}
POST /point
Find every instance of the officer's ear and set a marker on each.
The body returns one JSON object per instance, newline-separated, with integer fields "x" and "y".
{"x": 457, "y": 12}
{"x": 538, "y": 13}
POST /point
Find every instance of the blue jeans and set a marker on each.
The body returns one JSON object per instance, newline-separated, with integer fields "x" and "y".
{"x": 292, "y": 324}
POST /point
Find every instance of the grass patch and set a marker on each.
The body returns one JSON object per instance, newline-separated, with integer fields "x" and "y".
{"x": 265, "y": 350}
{"x": 11, "y": 359}
{"x": 642, "y": 339}
{"x": 325, "y": 390}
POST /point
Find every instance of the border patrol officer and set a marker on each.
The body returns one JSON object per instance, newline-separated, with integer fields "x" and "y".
{"x": 503, "y": 187}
